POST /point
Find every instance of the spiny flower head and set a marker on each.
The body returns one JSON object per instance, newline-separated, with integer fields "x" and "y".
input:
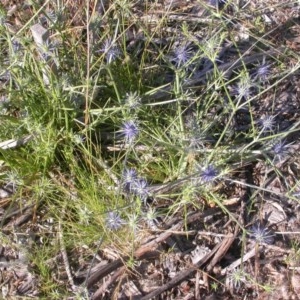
{"x": 267, "y": 123}
{"x": 129, "y": 177}
{"x": 195, "y": 137}
{"x": 140, "y": 188}
{"x": 132, "y": 100}
{"x": 16, "y": 45}
{"x": 212, "y": 47}
{"x": 280, "y": 149}
{"x": 182, "y": 54}
{"x": 111, "y": 50}
{"x": 114, "y": 221}
{"x": 78, "y": 139}
{"x": 261, "y": 234}
{"x": 129, "y": 130}
{"x": 196, "y": 140}
{"x": 95, "y": 24}
{"x": 3, "y": 16}
{"x": 55, "y": 16}
{"x": 151, "y": 218}
{"x": 133, "y": 222}
{"x": 84, "y": 215}
{"x": 262, "y": 72}
{"x": 209, "y": 174}
{"x": 243, "y": 87}
{"x": 4, "y": 104}
{"x": 296, "y": 194}
{"x": 236, "y": 278}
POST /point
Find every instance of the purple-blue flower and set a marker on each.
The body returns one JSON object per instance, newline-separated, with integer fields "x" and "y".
{"x": 182, "y": 54}
{"x": 140, "y": 188}
{"x": 209, "y": 174}
{"x": 114, "y": 221}
{"x": 110, "y": 50}
{"x": 243, "y": 88}
{"x": 262, "y": 72}
{"x": 280, "y": 150}
{"x": 267, "y": 123}
{"x": 129, "y": 130}
{"x": 129, "y": 177}
{"x": 261, "y": 234}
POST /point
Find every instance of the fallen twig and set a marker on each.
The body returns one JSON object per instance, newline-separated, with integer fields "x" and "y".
{"x": 216, "y": 254}
{"x": 99, "y": 293}
{"x": 184, "y": 274}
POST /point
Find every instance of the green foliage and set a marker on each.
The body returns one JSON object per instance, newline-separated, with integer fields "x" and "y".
{"x": 72, "y": 166}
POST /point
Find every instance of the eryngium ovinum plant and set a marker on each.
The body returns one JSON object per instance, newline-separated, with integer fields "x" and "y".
{"x": 113, "y": 147}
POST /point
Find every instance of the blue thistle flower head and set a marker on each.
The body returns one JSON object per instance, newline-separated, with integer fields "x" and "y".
{"x": 182, "y": 54}
{"x": 110, "y": 50}
{"x": 129, "y": 130}
{"x": 140, "y": 188}
{"x": 16, "y": 46}
{"x": 262, "y": 72}
{"x": 114, "y": 221}
{"x": 261, "y": 234}
{"x": 243, "y": 88}
{"x": 129, "y": 177}
{"x": 280, "y": 150}
{"x": 209, "y": 174}
{"x": 267, "y": 123}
